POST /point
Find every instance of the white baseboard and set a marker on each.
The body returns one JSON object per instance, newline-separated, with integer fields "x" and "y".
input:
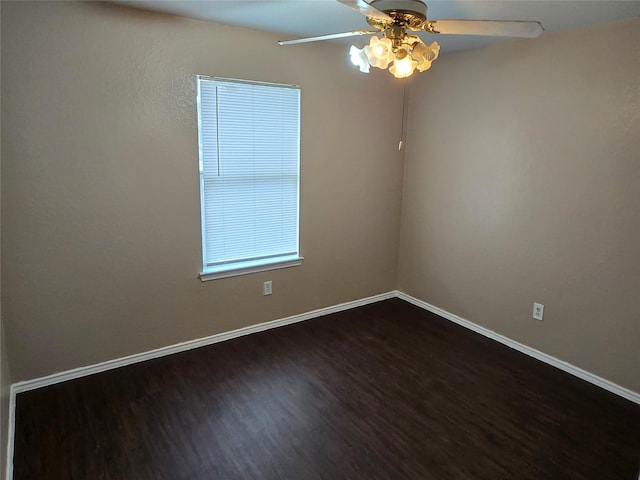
{"x": 189, "y": 345}
{"x": 11, "y": 433}
{"x": 532, "y": 352}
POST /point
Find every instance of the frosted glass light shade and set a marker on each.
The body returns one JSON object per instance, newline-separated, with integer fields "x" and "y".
{"x": 425, "y": 54}
{"x": 359, "y": 58}
{"x": 379, "y": 52}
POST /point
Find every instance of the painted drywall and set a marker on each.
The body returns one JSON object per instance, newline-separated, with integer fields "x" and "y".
{"x": 5, "y": 383}
{"x": 5, "y": 376}
{"x": 5, "y": 379}
{"x": 100, "y": 199}
{"x": 522, "y": 185}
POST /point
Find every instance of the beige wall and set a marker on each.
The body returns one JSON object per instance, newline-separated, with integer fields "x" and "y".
{"x": 5, "y": 377}
{"x": 522, "y": 184}
{"x": 101, "y": 226}
{"x": 5, "y": 382}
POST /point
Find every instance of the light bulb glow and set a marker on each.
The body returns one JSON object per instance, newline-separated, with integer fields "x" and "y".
{"x": 403, "y": 68}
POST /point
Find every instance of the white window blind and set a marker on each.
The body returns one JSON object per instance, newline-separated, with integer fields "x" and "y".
{"x": 249, "y": 173}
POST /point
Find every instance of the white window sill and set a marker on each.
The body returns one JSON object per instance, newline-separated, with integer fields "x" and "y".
{"x": 243, "y": 268}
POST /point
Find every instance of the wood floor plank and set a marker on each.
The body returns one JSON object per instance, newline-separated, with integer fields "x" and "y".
{"x": 384, "y": 391}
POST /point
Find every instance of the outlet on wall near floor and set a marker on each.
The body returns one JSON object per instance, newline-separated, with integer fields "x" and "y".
{"x": 266, "y": 288}
{"x": 538, "y": 311}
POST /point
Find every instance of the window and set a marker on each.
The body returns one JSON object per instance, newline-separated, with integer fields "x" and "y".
{"x": 249, "y": 139}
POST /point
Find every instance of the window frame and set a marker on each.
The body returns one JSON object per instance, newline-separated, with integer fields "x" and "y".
{"x": 243, "y": 266}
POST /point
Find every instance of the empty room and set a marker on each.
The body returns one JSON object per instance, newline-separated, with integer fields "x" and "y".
{"x": 320, "y": 239}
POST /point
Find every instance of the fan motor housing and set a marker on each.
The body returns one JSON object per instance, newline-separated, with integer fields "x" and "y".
{"x": 410, "y": 13}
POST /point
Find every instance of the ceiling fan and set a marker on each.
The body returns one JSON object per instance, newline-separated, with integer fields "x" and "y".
{"x": 403, "y": 52}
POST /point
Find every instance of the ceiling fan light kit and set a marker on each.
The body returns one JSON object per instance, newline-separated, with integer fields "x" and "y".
{"x": 404, "y": 57}
{"x": 404, "y": 53}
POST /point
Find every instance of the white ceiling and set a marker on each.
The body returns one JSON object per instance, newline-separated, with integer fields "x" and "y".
{"x": 306, "y": 18}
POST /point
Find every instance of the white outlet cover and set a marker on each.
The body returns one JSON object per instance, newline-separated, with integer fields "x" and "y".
{"x": 538, "y": 311}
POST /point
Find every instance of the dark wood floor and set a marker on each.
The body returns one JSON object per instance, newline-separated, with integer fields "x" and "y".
{"x": 385, "y": 391}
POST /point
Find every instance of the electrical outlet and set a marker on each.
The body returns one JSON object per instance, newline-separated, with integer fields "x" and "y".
{"x": 266, "y": 288}
{"x": 538, "y": 311}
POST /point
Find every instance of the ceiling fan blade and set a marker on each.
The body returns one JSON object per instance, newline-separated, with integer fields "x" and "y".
{"x": 498, "y": 28}
{"x": 327, "y": 37}
{"x": 367, "y": 10}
